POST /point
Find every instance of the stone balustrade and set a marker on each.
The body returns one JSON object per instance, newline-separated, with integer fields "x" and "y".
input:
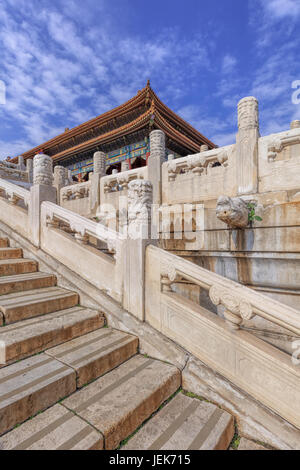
{"x": 120, "y": 181}
{"x": 240, "y": 302}
{"x": 197, "y": 164}
{"x": 261, "y": 370}
{"x": 80, "y": 226}
{"x": 14, "y": 193}
{"x": 75, "y": 191}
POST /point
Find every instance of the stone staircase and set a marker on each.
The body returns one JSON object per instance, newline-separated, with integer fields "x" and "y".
{"x": 67, "y": 381}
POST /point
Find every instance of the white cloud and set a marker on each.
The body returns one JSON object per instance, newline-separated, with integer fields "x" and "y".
{"x": 282, "y": 8}
{"x": 62, "y": 67}
{"x": 228, "y": 64}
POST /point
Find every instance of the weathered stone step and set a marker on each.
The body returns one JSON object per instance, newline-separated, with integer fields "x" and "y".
{"x": 11, "y": 253}
{"x": 120, "y": 401}
{"x": 10, "y": 267}
{"x": 4, "y": 242}
{"x": 30, "y": 386}
{"x": 54, "y": 429}
{"x": 22, "y": 305}
{"x": 23, "y": 282}
{"x": 185, "y": 424}
{"x": 96, "y": 353}
{"x": 28, "y": 337}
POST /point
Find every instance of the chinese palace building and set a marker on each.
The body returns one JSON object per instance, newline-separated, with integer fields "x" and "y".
{"x": 123, "y": 134}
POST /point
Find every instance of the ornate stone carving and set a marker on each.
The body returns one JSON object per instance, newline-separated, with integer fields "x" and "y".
{"x": 99, "y": 163}
{"x": 59, "y": 176}
{"x": 169, "y": 275}
{"x": 222, "y": 158}
{"x": 248, "y": 113}
{"x": 196, "y": 164}
{"x": 203, "y": 148}
{"x": 42, "y": 170}
{"x": 140, "y": 197}
{"x": 157, "y": 145}
{"x": 236, "y": 309}
{"x": 233, "y": 211}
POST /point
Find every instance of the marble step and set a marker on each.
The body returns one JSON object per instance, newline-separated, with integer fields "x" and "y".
{"x": 96, "y": 353}
{"x": 30, "y": 386}
{"x": 4, "y": 242}
{"x": 29, "y": 337}
{"x": 10, "y": 267}
{"x": 120, "y": 401}
{"x": 185, "y": 424}
{"x": 22, "y": 305}
{"x": 23, "y": 282}
{"x": 54, "y": 429}
{"x": 11, "y": 253}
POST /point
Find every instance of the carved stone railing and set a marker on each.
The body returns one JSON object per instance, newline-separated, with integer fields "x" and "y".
{"x": 120, "y": 181}
{"x": 198, "y": 164}
{"x": 280, "y": 143}
{"x": 14, "y": 193}
{"x": 56, "y": 216}
{"x": 13, "y": 173}
{"x": 75, "y": 191}
{"x": 240, "y": 302}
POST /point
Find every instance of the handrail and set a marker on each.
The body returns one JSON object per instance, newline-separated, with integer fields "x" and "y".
{"x": 197, "y": 163}
{"x": 79, "y": 224}
{"x": 14, "y": 192}
{"x": 76, "y": 191}
{"x": 121, "y": 180}
{"x": 240, "y": 302}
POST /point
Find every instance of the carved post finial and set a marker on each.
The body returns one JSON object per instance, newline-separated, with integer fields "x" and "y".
{"x": 248, "y": 113}
{"x": 203, "y": 148}
{"x": 99, "y": 163}
{"x": 59, "y": 176}
{"x": 295, "y": 124}
{"x": 42, "y": 170}
{"x": 29, "y": 169}
{"x": 158, "y": 145}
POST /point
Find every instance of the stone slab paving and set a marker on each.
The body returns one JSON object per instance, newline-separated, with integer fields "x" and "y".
{"x": 246, "y": 444}
{"x": 54, "y": 429}
{"x": 10, "y": 267}
{"x": 185, "y": 424}
{"x": 96, "y": 353}
{"x": 21, "y": 305}
{"x": 10, "y": 253}
{"x": 27, "y": 337}
{"x": 23, "y": 282}
{"x": 32, "y": 385}
{"x": 120, "y": 401}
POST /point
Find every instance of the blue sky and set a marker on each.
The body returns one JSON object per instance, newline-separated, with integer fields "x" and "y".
{"x": 64, "y": 62}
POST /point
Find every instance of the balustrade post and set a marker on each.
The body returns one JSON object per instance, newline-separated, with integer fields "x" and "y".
{"x": 29, "y": 169}
{"x": 59, "y": 177}
{"x": 140, "y": 197}
{"x": 155, "y": 161}
{"x": 247, "y": 146}
{"x": 99, "y": 171}
{"x": 41, "y": 190}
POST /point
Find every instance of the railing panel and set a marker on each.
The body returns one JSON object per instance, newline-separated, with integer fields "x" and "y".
{"x": 257, "y": 367}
